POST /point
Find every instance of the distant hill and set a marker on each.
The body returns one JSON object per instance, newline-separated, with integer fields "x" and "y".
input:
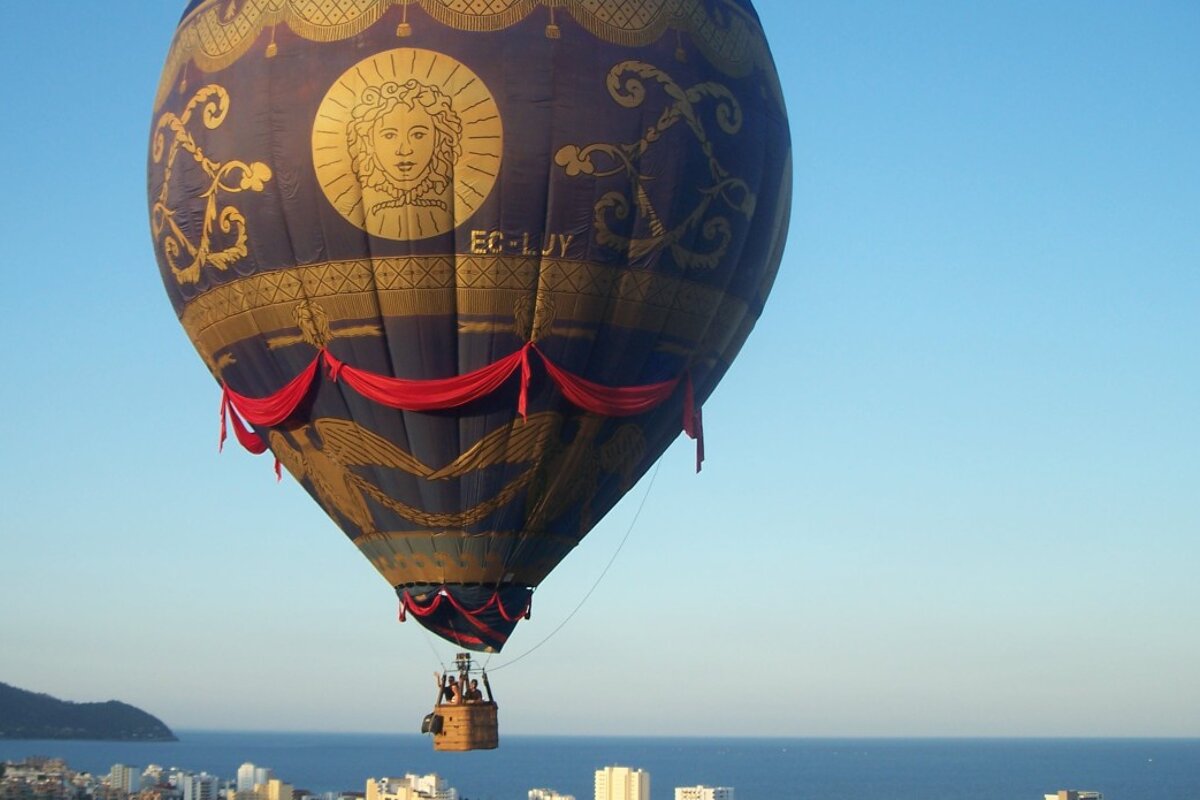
{"x": 28, "y": 715}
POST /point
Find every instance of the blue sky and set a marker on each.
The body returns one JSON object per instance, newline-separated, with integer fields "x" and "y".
{"x": 960, "y": 450}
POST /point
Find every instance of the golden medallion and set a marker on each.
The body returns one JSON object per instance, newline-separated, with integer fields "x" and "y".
{"x": 407, "y": 144}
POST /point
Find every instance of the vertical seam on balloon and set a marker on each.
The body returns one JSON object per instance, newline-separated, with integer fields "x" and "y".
{"x": 385, "y": 340}
{"x": 535, "y": 291}
{"x": 457, "y": 334}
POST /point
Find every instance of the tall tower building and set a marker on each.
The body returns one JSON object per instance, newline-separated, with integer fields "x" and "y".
{"x": 208, "y": 787}
{"x": 201, "y": 787}
{"x": 245, "y": 777}
{"x": 124, "y": 779}
{"x": 622, "y": 783}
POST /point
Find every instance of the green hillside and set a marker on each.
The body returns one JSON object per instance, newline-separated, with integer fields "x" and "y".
{"x": 28, "y": 715}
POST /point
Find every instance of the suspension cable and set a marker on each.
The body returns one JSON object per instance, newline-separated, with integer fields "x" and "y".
{"x": 433, "y": 648}
{"x": 596, "y": 585}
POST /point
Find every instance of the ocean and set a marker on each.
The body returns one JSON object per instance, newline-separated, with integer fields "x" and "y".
{"x": 758, "y": 769}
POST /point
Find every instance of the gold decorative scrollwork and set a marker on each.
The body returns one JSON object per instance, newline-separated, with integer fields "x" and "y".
{"x": 626, "y": 85}
{"x": 186, "y": 258}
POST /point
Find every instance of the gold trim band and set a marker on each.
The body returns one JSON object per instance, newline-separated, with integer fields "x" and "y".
{"x": 580, "y": 294}
{"x": 215, "y": 38}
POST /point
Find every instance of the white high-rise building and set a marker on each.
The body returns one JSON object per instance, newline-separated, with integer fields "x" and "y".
{"x": 245, "y": 777}
{"x": 201, "y": 787}
{"x": 152, "y": 776}
{"x": 410, "y": 787}
{"x": 548, "y": 794}
{"x": 703, "y": 793}
{"x": 622, "y": 783}
{"x": 124, "y": 779}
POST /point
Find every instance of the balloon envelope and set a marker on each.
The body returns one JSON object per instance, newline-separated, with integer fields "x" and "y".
{"x": 465, "y": 267}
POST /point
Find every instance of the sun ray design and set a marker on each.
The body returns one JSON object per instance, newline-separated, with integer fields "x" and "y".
{"x": 388, "y": 139}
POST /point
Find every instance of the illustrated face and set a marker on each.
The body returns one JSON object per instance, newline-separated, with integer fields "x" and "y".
{"x": 388, "y": 142}
{"x": 404, "y": 140}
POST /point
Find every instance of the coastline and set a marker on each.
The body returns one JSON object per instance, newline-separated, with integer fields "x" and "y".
{"x": 820, "y": 768}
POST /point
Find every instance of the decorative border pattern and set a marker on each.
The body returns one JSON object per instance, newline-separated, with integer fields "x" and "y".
{"x": 217, "y": 33}
{"x": 464, "y": 285}
{"x": 459, "y": 556}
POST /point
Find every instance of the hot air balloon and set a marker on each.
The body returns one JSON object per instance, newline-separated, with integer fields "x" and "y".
{"x": 467, "y": 268}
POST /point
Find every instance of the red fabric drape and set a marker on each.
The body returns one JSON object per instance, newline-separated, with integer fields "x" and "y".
{"x": 266, "y": 412}
{"x": 248, "y": 438}
{"x": 441, "y": 393}
{"x": 408, "y": 603}
{"x": 693, "y": 420}
{"x": 626, "y": 401}
{"x": 274, "y": 409}
{"x": 409, "y": 395}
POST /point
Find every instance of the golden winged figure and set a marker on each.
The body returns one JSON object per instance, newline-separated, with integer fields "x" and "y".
{"x": 325, "y": 461}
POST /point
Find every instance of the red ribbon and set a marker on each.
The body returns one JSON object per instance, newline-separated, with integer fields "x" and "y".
{"x": 248, "y": 438}
{"x": 526, "y": 373}
{"x": 693, "y": 420}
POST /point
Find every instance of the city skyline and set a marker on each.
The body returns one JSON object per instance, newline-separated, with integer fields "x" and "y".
{"x": 53, "y": 778}
{"x": 950, "y": 481}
